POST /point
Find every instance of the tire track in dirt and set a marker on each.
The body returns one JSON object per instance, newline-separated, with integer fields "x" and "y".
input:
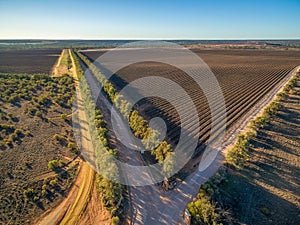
{"x": 56, "y": 66}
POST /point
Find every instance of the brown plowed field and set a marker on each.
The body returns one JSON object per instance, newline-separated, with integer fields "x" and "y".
{"x": 244, "y": 76}
{"x": 28, "y": 61}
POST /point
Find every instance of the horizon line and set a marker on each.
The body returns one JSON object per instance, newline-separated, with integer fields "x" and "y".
{"x": 173, "y": 39}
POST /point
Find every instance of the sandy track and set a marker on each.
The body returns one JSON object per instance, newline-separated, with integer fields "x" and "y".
{"x": 74, "y": 205}
{"x": 57, "y": 65}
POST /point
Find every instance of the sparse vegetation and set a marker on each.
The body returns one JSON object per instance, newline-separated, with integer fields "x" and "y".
{"x": 29, "y": 119}
{"x": 252, "y": 186}
{"x": 239, "y": 154}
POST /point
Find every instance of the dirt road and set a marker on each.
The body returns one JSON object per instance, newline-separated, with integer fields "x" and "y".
{"x": 74, "y": 205}
{"x": 57, "y": 65}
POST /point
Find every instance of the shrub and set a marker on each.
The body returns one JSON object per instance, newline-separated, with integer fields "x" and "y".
{"x": 38, "y": 114}
{"x": 282, "y": 95}
{"x": 239, "y": 154}
{"x": 71, "y": 145}
{"x": 272, "y": 108}
{"x": 43, "y": 100}
{"x": 27, "y": 133}
{"x": 111, "y": 193}
{"x": 29, "y": 193}
{"x": 115, "y": 220}
{"x": 13, "y": 99}
{"x": 30, "y": 111}
{"x": 265, "y": 211}
{"x": 64, "y": 116}
{"x": 18, "y": 132}
{"x": 59, "y": 138}
{"x": 2, "y": 144}
{"x": 44, "y": 187}
{"x": 44, "y": 192}
{"x": 13, "y": 137}
{"x": 259, "y": 122}
{"x": 53, "y": 182}
{"x": 54, "y": 164}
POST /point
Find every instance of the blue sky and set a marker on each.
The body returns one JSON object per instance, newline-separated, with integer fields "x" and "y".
{"x": 149, "y": 19}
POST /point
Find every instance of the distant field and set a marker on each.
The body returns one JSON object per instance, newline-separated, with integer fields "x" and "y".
{"x": 28, "y": 61}
{"x": 245, "y": 76}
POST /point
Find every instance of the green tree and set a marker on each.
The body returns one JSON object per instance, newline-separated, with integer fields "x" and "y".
{"x": 169, "y": 164}
{"x": 202, "y": 211}
{"x": 161, "y": 151}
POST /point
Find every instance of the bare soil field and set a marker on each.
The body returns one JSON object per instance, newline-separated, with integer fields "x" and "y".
{"x": 35, "y": 128}
{"x": 28, "y": 61}
{"x": 245, "y": 76}
{"x": 266, "y": 191}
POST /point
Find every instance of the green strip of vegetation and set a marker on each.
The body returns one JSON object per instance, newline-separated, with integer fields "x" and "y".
{"x": 203, "y": 210}
{"x": 139, "y": 126}
{"x": 111, "y": 192}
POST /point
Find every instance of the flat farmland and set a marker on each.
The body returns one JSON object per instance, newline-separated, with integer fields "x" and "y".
{"x": 28, "y": 61}
{"x": 245, "y": 76}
